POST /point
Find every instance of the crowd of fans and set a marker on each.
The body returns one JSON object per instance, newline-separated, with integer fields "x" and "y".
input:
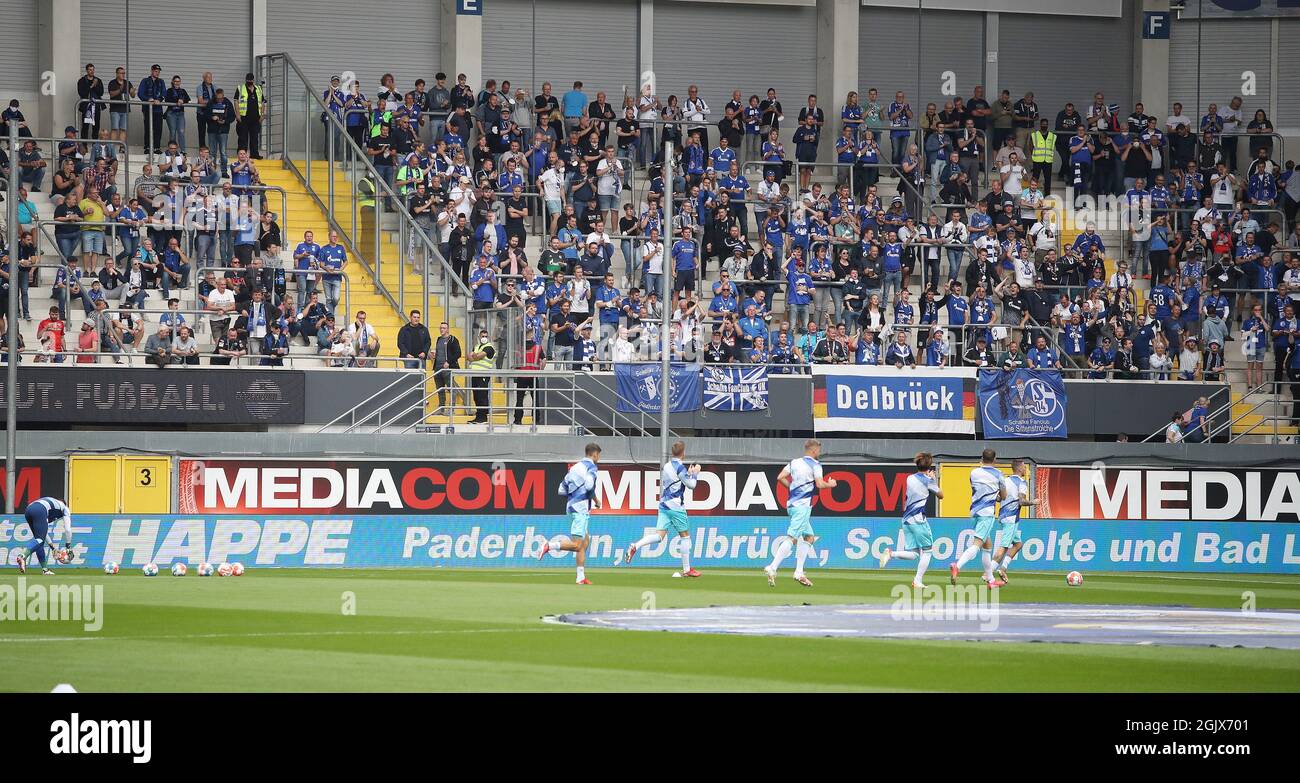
{"x": 189, "y": 217}
{"x": 808, "y": 264}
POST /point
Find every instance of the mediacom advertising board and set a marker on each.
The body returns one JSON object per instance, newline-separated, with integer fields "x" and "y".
{"x": 378, "y": 513}
{"x": 364, "y": 487}
{"x": 1212, "y": 494}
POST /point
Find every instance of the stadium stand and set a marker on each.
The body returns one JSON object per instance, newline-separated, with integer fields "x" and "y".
{"x": 934, "y": 221}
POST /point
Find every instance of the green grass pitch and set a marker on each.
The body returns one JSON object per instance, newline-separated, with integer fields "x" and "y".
{"x": 472, "y": 630}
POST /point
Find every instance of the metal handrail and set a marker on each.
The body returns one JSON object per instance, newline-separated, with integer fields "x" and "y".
{"x": 162, "y": 106}
{"x": 1210, "y": 415}
{"x": 352, "y": 412}
{"x": 53, "y": 160}
{"x": 199, "y": 273}
{"x": 251, "y": 360}
{"x": 617, "y": 418}
{"x": 1274, "y": 386}
{"x": 382, "y": 190}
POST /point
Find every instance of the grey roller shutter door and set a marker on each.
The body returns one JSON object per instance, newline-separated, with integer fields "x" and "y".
{"x": 327, "y": 37}
{"x": 104, "y": 38}
{"x": 1067, "y": 58}
{"x": 18, "y": 71}
{"x": 887, "y": 54}
{"x": 890, "y": 59}
{"x": 724, "y": 47}
{"x": 1227, "y": 48}
{"x": 562, "y": 41}
{"x": 951, "y": 41}
{"x": 508, "y": 48}
{"x": 1288, "y": 87}
{"x": 187, "y": 40}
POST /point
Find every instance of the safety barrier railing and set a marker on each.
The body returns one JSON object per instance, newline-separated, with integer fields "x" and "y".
{"x": 411, "y": 382}
{"x": 363, "y": 190}
{"x": 85, "y": 151}
{"x": 139, "y": 358}
{"x": 160, "y": 115}
{"x": 578, "y": 407}
{"x": 291, "y": 275}
{"x": 1238, "y": 425}
{"x": 1212, "y": 414}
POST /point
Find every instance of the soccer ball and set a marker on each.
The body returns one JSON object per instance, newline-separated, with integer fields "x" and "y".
{"x": 63, "y": 556}
{"x": 223, "y": 569}
{"x": 110, "y": 568}
{"x": 1074, "y": 579}
{"x": 236, "y": 569}
{"x": 205, "y": 569}
{"x": 180, "y": 569}
{"x": 150, "y": 569}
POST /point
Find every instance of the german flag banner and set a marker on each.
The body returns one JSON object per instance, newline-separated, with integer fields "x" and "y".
{"x": 864, "y": 398}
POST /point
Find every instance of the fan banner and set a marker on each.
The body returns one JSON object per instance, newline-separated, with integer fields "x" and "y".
{"x": 736, "y": 389}
{"x": 865, "y": 398}
{"x": 1022, "y": 404}
{"x": 638, "y": 388}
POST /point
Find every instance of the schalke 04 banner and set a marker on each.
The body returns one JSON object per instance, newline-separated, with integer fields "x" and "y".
{"x": 1022, "y": 404}
{"x": 638, "y": 388}
{"x": 735, "y": 388}
{"x": 865, "y": 398}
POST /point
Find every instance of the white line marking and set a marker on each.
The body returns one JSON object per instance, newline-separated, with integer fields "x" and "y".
{"x": 270, "y": 634}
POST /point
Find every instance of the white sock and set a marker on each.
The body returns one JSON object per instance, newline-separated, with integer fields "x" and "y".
{"x": 987, "y": 560}
{"x": 779, "y": 552}
{"x": 582, "y": 573}
{"x": 968, "y": 555}
{"x": 685, "y": 544}
{"x": 1006, "y": 562}
{"x": 801, "y": 554}
{"x": 647, "y": 539}
{"x": 921, "y": 566}
{"x": 904, "y": 554}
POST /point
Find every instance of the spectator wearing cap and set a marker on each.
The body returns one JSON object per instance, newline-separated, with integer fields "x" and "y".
{"x": 936, "y": 348}
{"x": 336, "y": 107}
{"x": 1189, "y": 360}
{"x": 250, "y": 108}
{"x": 158, "y": 348}
{"x": 1212, "y": 361}
{"x": 717, "y": 351}
{"x": 1102, "y": 359}
{"x": 978, "y": 355}
{"x": 153, "y": 90}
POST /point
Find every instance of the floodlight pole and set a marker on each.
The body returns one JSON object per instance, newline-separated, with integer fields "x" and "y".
{"x": 665, "y": 296}
{"x": 11, "y": 374}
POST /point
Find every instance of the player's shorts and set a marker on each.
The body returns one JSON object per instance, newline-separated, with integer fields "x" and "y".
{"x": 800, "y": 521}
{"x": 1008, "y": 532}
{"x": 985, "y": 527}
{"x": 917, "y": 534}
{"x": 38, "y": 516}
{"x": 578, "y": 523}
{"x": 672, "y": 519}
